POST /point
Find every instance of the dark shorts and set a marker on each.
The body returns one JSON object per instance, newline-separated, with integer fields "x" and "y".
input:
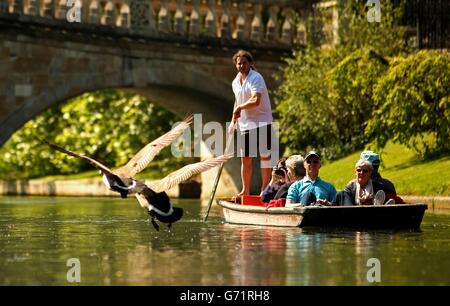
{"x": 252, "y": 141}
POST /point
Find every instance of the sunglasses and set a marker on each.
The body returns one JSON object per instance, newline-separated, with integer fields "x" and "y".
{"x": 315, "y": 161}
{"x": 362, "y": 170}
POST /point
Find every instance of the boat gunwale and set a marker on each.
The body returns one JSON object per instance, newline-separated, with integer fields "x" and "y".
{"x": 228, "y": 204}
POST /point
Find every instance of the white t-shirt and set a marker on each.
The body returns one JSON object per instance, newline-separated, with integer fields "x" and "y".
{"x": 258, "y": 116}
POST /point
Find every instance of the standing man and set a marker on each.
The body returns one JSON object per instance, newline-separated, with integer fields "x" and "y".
{"x": 253, "y": 113}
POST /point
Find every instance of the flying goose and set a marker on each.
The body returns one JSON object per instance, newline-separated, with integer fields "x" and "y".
{"x": 150, "y": 195}
{"x": 121, "y": 180}
{"x": 154, "y": 199}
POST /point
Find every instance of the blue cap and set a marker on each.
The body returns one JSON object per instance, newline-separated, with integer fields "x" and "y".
{"x": 371, "y": 157}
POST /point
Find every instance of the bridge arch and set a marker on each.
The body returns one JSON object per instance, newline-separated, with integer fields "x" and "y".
{"x": 48, "y": 61}
{"x": 179, "y": 99}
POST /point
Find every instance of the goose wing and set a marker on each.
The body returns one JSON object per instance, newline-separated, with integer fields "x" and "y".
{"x": 147, "y": 153}
{"x": 92, "y": 161}
{"x": 186, "y": 172}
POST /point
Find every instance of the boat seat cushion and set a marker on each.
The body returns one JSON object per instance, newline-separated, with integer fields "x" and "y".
{"x": 276, "y": 203}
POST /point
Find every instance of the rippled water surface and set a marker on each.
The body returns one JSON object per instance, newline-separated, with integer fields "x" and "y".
{"x": 116, "y": 245}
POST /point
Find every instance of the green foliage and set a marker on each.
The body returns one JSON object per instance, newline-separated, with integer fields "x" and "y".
{"x": 413, "y": 104}
{"x": 350, "y": 91}
{"x": 109, "y": 125}
{"x": 302, "y": 102}
{"x": 324, "y": 103}
{"x": 326, "y": 96}
{"x": 387, "y": 37}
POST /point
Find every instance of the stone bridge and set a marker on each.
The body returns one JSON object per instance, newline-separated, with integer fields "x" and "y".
{"x": 176, "y": 53}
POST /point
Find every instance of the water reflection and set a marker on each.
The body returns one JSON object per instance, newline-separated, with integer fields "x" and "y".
{"x": 116, "y": 245}
{"x": 258, "y": 256}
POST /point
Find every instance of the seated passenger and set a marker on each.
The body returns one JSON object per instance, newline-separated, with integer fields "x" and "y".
{"x": 279, "y": 178}
{"x": 311, "y": 188}
{"x": 362, "y": 190}
{"x": 374, "y": 159}
{"x": 295, "y": 172}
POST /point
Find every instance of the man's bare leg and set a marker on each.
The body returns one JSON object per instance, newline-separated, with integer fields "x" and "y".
{"x": 266, "y": 173}
{"x": 246, "y": 175}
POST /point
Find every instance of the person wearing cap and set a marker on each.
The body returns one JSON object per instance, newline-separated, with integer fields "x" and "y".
{"x": 386, "y": 184}
{"x": 311, "y": 188}
{"x": 362, "y": 190}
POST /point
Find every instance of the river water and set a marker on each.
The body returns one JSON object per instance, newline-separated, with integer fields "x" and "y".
{"x": 112, "y": 242}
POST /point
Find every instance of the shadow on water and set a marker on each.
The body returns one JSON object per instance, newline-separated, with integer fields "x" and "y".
{"x": 116, "y": 245}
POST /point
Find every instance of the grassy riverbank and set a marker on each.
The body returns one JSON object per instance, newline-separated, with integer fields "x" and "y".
{"x": 410, "y": 175}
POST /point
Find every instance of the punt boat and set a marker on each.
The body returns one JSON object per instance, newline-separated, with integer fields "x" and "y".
{"x": 370, "y": 216}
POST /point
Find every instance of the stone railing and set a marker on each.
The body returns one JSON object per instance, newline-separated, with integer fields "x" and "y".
{"x": 255, "y": 20}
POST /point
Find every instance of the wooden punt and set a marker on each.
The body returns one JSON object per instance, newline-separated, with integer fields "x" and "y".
{"x": 382, "y": 216}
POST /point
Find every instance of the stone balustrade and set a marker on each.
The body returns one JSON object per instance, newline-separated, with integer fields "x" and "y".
{"x": 262, "y": 21}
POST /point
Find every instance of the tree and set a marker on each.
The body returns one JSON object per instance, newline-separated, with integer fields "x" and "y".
{"x": 351, "y": 84}
{"x": 326, "y": 95}
{"x": 302, "y": 102}
{"x": 109, "y": 125}
{"x": 413, "y": 104}
{"x": 387, "y": 38}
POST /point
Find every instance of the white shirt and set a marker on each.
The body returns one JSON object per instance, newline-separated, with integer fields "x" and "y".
{"x": 257, "y": 116}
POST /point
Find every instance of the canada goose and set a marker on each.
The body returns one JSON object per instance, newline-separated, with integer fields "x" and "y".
{"x": 121, "y": 180}
{"x": 151, "y": 196}
{"x": 154, "y": 199}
